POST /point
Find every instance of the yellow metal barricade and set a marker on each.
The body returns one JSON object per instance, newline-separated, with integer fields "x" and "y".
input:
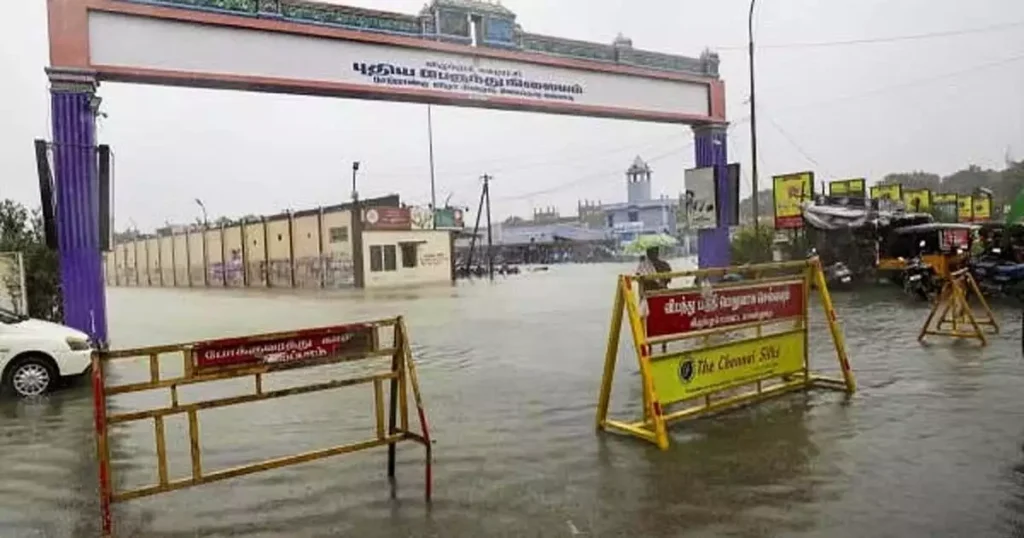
{"x": 255, "y": 357}
{"x": 953, "y": 315}
{"x": 719, "y": 346}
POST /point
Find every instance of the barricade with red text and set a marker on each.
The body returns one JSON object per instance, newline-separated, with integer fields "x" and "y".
{"x": 377, "y": 351}
{"x": 706, "y": 347}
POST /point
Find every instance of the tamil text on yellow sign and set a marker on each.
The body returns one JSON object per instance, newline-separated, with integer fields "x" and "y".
{"x": 982, "y": 208}
{"x": 892, "y": 192}
{"x": 693, "y": 374}
{"x": 918, "y": 200}
{"x": 847, "y": 187}
{"x": 790, "y": 191}
{"x": 965, "y": 211}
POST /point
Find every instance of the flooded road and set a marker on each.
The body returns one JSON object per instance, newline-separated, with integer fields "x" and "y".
{"x": 930, "y": 446}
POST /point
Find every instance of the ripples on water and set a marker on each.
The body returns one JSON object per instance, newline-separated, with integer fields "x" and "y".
{"x": 930, "y": 446}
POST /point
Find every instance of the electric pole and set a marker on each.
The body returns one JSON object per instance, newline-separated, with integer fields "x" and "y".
{"x": 753, "y": 127}
{"x": 487, "y": 197}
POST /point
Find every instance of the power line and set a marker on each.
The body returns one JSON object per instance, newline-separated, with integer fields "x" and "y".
{"x": 793, "y": 142}
{"x": 910, "y": 83}
{"x": 889, "y": 39}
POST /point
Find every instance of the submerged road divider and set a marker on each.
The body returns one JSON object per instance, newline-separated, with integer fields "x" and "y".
{"x": 256, "y": 357}
{"x": 953, "y": 315}
{"x": 719, "y": 346}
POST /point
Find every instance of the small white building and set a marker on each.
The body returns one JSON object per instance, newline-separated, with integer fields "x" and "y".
{"x": 396, "y": 258}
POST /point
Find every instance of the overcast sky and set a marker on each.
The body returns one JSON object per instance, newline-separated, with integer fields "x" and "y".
{"x": 859, "y": 110}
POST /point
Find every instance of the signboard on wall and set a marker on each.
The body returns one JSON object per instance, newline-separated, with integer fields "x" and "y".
{"x": 446, "y": 218}
{"x": 700, "y": 200}
{"x": 790, "y": 191}
{"x": 387, "y": 218}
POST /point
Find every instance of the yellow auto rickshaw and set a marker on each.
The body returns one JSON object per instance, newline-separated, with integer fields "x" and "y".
{"x": 945, "y": 247}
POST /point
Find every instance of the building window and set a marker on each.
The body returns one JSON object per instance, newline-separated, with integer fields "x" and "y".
{"x": 338, "y": 234}
{"x": 410, "y": 254}
{"x": 382, "y": 258}
{"x": 634, "y": 216}
{"x": 280, "y": 237}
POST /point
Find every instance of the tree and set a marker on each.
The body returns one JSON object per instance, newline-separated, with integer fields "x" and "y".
{"x": 913, "y": 180}
{"x": 22, "y": 231}
{"x": 750, "y": 247}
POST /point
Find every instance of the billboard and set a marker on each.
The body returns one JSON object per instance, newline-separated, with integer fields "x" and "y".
{"x": 918, "y": 200}
{"x": 965, "y": 208}
{"x": 982, "y": 208}
{"x": 387, "y": 218}
{"x": 132, "y": 48}
{"x": 893, "y": 191}
{"x": 700, "y": 198}
{"x": 945, "y": 207}
{"x": 848, "y": 187}
{"x": 789, "y": 192}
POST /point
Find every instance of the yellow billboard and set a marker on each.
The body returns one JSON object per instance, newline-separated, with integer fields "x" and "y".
{"x": 965, "y": 208}
{"x": 982, "y": 208}
{"x": 943, "y": 198}
{"x": 918, "y": 200}
{"x": 790, "y": 191}
{"x": 692, "y": 374}
{"x": 893, "y": 191}
{"x": 847, "y": 187}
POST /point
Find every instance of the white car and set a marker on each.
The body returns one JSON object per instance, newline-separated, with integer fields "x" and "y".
{"x": 36, "y": 354}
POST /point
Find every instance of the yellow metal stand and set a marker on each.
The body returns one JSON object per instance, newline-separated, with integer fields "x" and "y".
{"x": 953, "y": 310}
{"x": 772, "y": 363}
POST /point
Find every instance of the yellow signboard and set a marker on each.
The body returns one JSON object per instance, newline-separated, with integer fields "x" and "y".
{"x": 965, "y": 209}
{"x": 982, "y": 208}
{"x": 693, "y": 374}
{"x": 918, "y": 200}
{"x": 893, "y": 191}
{"x": 944, "y": 198}
{"x": 847, "y": 187}
{"x": 790, "y": 191}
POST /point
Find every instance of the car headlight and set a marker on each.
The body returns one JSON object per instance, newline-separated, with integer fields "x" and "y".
{"x": 78, "y": 344}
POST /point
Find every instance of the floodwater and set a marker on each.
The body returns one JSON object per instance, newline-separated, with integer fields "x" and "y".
{"x": 931, "y": 445}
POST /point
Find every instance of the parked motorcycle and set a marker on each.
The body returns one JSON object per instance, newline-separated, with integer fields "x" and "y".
{"x": 997, "y": 276}
{"x": 837, "y": 275}
{"x": 920, "y": 280}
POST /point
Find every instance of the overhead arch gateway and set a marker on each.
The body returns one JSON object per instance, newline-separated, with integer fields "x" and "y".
{"x": 454, "y": 52}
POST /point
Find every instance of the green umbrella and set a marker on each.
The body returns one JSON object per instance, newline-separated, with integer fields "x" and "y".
{"x": 644, "y": 242}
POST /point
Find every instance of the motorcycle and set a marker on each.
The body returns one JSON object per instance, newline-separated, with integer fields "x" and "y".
{"x": 837, "y": 275}
{"x": 920, "y": 280}
{"x": 997, "y": 276}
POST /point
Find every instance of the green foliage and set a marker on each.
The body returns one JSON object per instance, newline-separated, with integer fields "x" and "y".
{"x": 22, "y": 231}
{"x": 748, "y": 246}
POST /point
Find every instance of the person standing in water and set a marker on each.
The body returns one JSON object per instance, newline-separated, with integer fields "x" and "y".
{"x": 650, "y": 264}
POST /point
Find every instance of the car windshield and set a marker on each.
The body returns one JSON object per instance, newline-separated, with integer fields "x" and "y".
{"x": 9, "y": 317}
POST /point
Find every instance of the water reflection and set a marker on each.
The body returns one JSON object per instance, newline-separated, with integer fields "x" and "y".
{"x": 510, "y": 372}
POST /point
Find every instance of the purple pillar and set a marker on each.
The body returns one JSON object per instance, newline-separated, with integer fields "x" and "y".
{"x": 713, "y": 245}
{"x": 76, "y": 201}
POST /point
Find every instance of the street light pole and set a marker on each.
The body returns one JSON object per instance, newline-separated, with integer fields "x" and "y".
{"x": 753, "y": 123}
{"x": 357, "y": 232}
{"x": 433, "y": 191}
{"x": 206, "y": 220}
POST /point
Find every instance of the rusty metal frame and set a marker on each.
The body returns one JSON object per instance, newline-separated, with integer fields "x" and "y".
{"x": 401, "y": 378}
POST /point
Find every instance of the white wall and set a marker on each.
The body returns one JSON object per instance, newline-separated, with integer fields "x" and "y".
{"x": 433, "y": 258}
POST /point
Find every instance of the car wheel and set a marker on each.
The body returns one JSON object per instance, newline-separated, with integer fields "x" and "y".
{"x": 30, "y": 376}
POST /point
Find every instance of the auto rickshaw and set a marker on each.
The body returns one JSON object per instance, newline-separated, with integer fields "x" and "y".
{"x": 945, "y": 247}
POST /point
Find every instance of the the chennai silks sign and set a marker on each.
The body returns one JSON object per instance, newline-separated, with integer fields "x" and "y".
{"x": 173, "y": 42}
